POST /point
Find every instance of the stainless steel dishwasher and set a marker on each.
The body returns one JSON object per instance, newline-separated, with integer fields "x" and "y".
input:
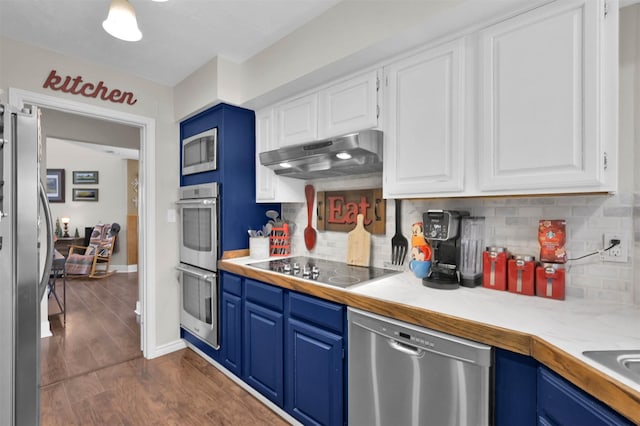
{"x": 401, "y": 374}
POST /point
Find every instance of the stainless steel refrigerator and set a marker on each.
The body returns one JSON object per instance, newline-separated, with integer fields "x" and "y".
{"x": 26, "y": 244}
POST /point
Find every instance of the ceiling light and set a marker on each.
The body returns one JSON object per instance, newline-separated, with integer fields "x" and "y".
{"x": 121, "y": 21}
{"x": 285, "y": 165}
{"x": 343, "y": 155}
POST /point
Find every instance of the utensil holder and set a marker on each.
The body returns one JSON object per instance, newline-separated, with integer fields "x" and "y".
{"x": 259, "y": 248}
{"x": 279, "y": 241}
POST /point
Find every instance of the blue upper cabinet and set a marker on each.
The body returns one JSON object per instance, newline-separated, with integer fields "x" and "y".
{"x": 235, "y": 172}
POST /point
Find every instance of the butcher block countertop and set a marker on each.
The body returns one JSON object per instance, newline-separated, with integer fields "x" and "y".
{"x": 553, "y": 332}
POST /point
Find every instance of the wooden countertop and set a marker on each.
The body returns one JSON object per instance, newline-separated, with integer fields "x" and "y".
{"x": 553, "y": 332}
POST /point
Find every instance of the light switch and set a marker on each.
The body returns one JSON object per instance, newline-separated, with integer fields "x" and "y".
{"x": 171, "y": 215}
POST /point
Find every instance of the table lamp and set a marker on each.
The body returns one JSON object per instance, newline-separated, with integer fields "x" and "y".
{"x": 65, "y": 222}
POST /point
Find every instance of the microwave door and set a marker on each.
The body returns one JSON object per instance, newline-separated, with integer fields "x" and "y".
{"x": 191, "y": 155}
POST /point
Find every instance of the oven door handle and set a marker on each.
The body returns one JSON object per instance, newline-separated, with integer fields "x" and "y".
{"x": 204, "y": 202}
{"x": 205, "y": 277}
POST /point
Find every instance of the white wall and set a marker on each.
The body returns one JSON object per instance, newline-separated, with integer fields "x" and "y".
{"x": 112, "y": 190}
{"x": 26, "y": 67}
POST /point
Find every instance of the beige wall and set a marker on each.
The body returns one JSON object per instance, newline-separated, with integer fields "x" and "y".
{"x": 112, "y": 190}
{"x": 73, "y": 127}
{"x": 26, "y": 67}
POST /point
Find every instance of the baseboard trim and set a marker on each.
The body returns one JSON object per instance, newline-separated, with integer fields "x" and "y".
{"x": 167, "y": 348}
{"x": 279, "y": 411}
{"x": 45, "y": 329}
{"x": 124, "y": 268}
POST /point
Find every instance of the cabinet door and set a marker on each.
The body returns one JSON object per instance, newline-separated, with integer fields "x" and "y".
{"x": 297, "y": 120}
{"x": 231, "y": 332}
{"x": 269, "y": 186}
{"x": 424, "y": 136}
{"x": 540, "y": 99}
{"x": 314, "y": 374}
{"x": 263, "y": 351}
{"x": 265, "y": 185}
{"x": 560, "y": 403}
{"x": 349, "y": 106}
{"x": 515, "y": 389}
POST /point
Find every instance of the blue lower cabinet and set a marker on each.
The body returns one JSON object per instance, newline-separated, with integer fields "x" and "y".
{"x": 264, "y": 350}
{"x": 231, "y": 332}
{"x": 231, "y": 322}
{"x": 314, "y": 372}
{"x": 515, "y": 389}
{"x": 561, "y": 403}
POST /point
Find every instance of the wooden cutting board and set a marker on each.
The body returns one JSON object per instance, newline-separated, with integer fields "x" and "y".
{"x": 359, "y": 244}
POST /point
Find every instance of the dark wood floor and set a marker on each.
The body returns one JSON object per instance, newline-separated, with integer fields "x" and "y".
{"x": 93, "y": 372}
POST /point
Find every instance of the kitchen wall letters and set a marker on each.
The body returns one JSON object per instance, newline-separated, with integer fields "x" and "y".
{"x": 338, "y": 210}
{"x": 77, "y": 86}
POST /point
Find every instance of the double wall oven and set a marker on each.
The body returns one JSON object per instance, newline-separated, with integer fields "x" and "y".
{"x": 198, "y": 211}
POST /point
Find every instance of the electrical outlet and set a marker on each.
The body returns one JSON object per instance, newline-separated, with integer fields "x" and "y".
{"x": 618, "y": 253}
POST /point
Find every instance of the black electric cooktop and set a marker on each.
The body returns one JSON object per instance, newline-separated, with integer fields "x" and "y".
{"x": 328, "y": 272}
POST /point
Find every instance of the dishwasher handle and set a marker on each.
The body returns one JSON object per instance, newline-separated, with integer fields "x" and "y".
{"x": 406, "y": 349}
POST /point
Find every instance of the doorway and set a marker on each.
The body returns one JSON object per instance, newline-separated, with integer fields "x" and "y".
{"x": 146, "y": 187}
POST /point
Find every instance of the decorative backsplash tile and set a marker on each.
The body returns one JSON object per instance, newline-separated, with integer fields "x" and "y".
{"x": 512, "y": 222}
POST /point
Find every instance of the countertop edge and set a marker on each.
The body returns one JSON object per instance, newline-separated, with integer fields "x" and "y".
{"x": 617, "y": 395}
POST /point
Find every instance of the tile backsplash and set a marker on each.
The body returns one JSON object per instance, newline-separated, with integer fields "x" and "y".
{"x": 513, "y": 222}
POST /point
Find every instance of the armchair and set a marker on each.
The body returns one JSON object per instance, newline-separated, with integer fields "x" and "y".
{"x": 94, "y": 260}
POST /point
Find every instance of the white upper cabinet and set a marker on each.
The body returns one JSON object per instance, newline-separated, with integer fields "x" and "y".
{"x": 544, "y": 85}
{"x": 269, "y": 186}
{"x": 344, "y": 107}
{"x": 424, "y": 133}
{"x": 349, "y": 106}
{"x": 297, "y": 120}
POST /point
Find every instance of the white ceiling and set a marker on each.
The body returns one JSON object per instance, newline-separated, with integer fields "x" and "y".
{"x": 179, "y": 36}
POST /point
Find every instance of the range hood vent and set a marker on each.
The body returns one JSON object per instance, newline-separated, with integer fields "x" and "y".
{"x": 352, "y": 154}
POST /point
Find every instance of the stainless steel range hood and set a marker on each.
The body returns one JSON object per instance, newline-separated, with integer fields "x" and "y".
{"x": 352, "y": 154}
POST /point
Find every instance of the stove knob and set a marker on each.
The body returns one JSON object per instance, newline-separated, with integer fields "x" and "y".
{"x": 314, "y": 275}
{"x": 305, "y": 271}
{"x": 287, "y": 268}
{"x": 296, "y": 266}
{"x": 315, "y": 270}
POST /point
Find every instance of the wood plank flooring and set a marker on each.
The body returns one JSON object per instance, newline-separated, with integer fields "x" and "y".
{"x": 101, "y": 328}
{"x": 93, "y": 372}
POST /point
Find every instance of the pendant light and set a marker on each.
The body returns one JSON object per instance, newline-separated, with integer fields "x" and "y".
{"x": 121, "y": 21}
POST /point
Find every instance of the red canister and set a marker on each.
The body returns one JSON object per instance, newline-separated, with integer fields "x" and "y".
{"x": 494, "y": 268}
{"x": 550, "y": 280}
{"x": 521, "y": 274}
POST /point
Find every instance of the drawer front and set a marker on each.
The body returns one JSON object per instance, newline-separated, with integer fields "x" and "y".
{"x": 264, "y": 295}
{"x": 322, "y": 313}
{"x": 232, "y": 284}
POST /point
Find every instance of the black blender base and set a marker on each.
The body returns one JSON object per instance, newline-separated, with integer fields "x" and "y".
{"x": 440, "y": 284}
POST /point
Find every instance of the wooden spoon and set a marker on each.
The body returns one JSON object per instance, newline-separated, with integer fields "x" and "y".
{"x": 309, "y": 233}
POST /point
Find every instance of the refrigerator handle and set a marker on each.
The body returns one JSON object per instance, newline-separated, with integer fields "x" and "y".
{"x": 44, "y": 280}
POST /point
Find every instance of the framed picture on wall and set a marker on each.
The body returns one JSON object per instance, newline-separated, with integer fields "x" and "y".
{"x": 80, "y": 178}
{"x": 55, "y": 185}
{"x": 85, "y": 194}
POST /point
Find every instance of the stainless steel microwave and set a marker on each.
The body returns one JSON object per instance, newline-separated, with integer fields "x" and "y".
{"x": 200, "y": 152}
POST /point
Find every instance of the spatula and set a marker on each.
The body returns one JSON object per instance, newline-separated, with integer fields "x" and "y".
{"x": 309, "y": 232}
{"x": 399, "y": 244}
